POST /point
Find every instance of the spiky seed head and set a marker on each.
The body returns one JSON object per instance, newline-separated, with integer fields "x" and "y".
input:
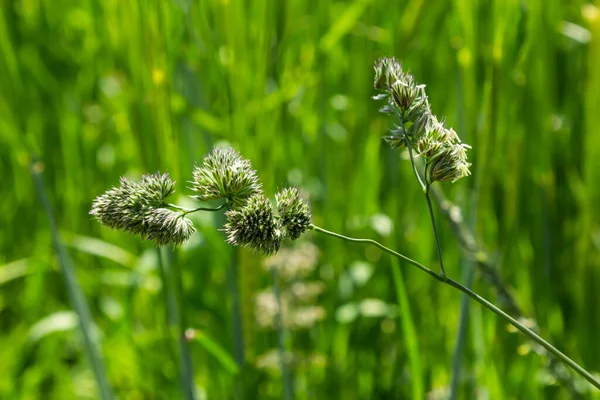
{"x": 441, "y": 147}
{"x": 225, "y": 174}
{"x": 125, "y": 207}
{"x": 293, "y": 211}
{"x": 395, "y": 142}
{"x": 167, "y": 227}
{"x": 387, "y": 71}
{"x": 159, "y": 186}
{"x": 450, "y": 164}
{"x": 254, "y": 226}
{"x": 136, "y": 207}
{"x": 404, "y": 92}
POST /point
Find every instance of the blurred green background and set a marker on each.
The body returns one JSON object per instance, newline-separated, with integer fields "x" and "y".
{"x": 100, "y": 89}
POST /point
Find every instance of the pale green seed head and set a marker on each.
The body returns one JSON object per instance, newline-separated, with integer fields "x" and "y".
{"x": 254, "y": 226}
{"x": 293, "y": 211}
{"x": 225, "y": 174}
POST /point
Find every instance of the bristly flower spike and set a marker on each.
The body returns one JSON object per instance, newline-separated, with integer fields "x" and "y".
{"x": 254, "y": 226}
{"x": 443, "y": 153}
{"x": 166, "y": 227}
{"x": 293, "y": 211}
{"x": 137, "y": 207}
{"x": 225, "y": 174}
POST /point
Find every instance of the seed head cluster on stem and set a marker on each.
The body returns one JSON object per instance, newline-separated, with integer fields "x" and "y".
{"x": 419, "y": 130}
{"x": 139, "y": 208}
{"x": 252, "y": 222}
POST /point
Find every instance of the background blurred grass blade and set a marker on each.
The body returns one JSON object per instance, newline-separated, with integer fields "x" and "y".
{"x": 216, "y": 350}
{"x": 101, "y": 248}
{"x": 286, "y": 378}
{"x": 173, "y": 291}
{"x": 104, "y": 88}
{"x": 78, "y": 302}
{"x": 468, "y": 276}
{"x": 409, "y": 334}
{"x": 60, "y": 321}
{"x": 13, "y": 270}
{"x": 343, "y": 23}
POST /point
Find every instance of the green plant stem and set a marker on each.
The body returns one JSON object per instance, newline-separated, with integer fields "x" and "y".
{"x": 461, "y": 335}
{"x": 193, "y": 210}
{"x": 237, "y": 324}
{"x": 425, "y": 188}
{"x": 486, "y": 268}
{"x": 286, "y": 380}
{"x": 445, "y": 279}
{"x": 170, "y": 304}
{"x": 76, "y": 296}
{"x": 410, "y": 152}
{"x": 173, "y": 287}
{"x": 435, "y": 231}
{"x": 414, "y": 166}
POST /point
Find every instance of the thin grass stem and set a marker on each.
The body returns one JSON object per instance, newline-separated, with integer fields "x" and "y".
{"x": 173, "y": 286}
{"x": 76, "y": 296}
{"x": 435, "y": 231}
{"x": 237, "y": 323}
{"x": 481, "y": 300}
{"x": 286, "y": 380}
{"x": 186, "y": 211}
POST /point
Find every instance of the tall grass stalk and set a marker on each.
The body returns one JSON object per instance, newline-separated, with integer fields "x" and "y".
{"x": 468, "y": 276}
{"x": 445, "y": 279}
{"x": 76, "y": 296}
{"x": 425, "y": 187}
{"x": 176, "y": 319}
{"x": 410, "y": 334}
{"x": 491, "y": 275}
{"x": 237, "y": 324}
{"x": 286, "y": 379}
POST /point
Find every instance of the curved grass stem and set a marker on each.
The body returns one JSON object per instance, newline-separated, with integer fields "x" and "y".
{"x": 425, "y": 187}
{"x": 435, "y": 231}
{"x": 487, "y": 304}
{"x": 186, "y": 211}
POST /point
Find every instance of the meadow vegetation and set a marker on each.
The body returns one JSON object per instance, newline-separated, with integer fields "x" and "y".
{"x": 96, "y": 90}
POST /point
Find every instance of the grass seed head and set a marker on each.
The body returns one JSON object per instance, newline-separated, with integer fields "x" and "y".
{"x": 254, "y": 226}
{"x": 225, "y": 174}
{"x": 293, "y": 211}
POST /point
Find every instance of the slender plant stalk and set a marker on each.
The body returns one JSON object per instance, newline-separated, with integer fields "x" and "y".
{"x": 238, "y": 333}
{"x": 193, "y": 210}
{"x": 468, "y": 277}
{"x": 76, "y": 296}
{"x": 170, "y": 305}
{"x": 425, "y": 187}
{"x": 410, "y": 334}
{"x": 173, "y": 286}
{"x": 186, "y": 359}
{"x": 435, "y": 231}
{"x": 490, "y": 273}
{"x": 445, "y": 279}
{"x": 410, "y": 153}
{"x": 288, "y": 393}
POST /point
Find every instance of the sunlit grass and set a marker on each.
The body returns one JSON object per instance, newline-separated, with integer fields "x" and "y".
{"x": 101, "y": 89}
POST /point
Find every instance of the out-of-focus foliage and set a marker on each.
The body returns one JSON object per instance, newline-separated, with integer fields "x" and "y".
{"x": 100, "y": 89}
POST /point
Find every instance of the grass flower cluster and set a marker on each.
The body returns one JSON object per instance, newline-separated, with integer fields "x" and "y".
{"x": 254, "y": 226}
{"x": 419, "y": 130}
{"x": 255, "y": 223}
{"x": 138, "y": 208}
{"x": 225, "y": 174}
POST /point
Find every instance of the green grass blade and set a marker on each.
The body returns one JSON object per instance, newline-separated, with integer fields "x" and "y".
{"x": 173, "y": 293}
{"x": 76, "y": 296}
{"x": 410, "y": 334}
{"x": 217, "y": 351}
